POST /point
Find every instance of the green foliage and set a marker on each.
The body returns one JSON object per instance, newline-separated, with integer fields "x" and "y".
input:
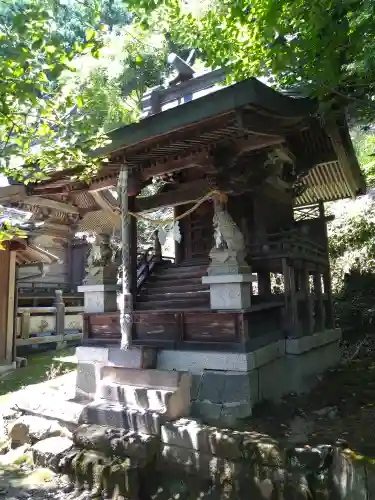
{"x": 352, "y": 252}
{"x": 38, "y": 125}
{"x": 112, "y": 86}
{"x": 324, "y": 49}
{"x": 364, "y": 143}
{"x": 70, "y": 71}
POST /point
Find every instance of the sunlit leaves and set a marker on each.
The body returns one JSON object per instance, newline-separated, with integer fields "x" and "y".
{"x": 324, "y": 48}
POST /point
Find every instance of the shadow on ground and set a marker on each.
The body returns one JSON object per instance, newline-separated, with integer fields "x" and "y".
{"x": 40, "y": 368}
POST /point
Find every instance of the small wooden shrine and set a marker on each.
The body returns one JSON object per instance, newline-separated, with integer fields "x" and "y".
{"x": 17, "y": 252}
{"x": 247, "y": 171}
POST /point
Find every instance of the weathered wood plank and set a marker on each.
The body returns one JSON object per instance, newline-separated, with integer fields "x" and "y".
{"x": 156, "y": 325}
{"x": 188, "y": 193}
{"x": 210, "y": 326}
{"x": 103, "y": 325}
{"x": 55, "y": 205}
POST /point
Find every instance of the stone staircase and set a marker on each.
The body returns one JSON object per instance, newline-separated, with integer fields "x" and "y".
{"x": 175, "y": 287}
{"x": 138, "y": 400}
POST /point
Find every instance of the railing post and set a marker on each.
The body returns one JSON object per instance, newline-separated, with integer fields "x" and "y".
{"x": 59, "y": 315}
{"x": 25, "y": 325}
{"x": 157, "y": 246}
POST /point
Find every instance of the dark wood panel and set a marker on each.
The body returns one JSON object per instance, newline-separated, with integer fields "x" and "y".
{"x": 77, "y": 262}
{"x": 103, "y": 325}
{"x": 156, "y": 325}
{"x": 198, "y": 232}
{"x": 210, "y": 326}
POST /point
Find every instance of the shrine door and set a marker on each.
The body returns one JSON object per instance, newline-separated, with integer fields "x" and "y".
{"x": 198, "y": 232}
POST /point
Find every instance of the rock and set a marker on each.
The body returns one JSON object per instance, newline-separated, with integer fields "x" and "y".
{"x": 118, "y": 442}
{"x": 9, "y": 413}
{"x": 328, "y": 411}
{"x": 50, "y": 451}
{"x": 21, "y": 362}
{"x": 3, "y": 429}
{"x": 17, "y": 456}
{"x": 30, "y": 429}
{"x": 300, "y": 430}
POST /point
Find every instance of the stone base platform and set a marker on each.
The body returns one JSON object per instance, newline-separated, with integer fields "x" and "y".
{"x": 226, "y": 386}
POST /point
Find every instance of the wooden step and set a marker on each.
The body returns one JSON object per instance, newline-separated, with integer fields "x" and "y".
{"x": 176, "y": 304}
{"x": 155, "y": 283}
{"x": 158, "y": 287}
{"x": 173, "y": 296}
{"x": 175, "y": 276}
{"x": 181, "y": 269}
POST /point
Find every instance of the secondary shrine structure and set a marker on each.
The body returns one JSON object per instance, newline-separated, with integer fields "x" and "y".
{"x": 245, "y": 306}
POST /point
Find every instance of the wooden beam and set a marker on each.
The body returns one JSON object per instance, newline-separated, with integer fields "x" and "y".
{"x": 100, "y": 184}
{"x": 342, "y": 156}
{"x": 54, "y": 205}
{"x": 174, "y": 165}
{"x": 12, "y": 192}
{"x": 258, "y": 124}
{"x": 102, "y": 202}
{"x": 187, "y": 193}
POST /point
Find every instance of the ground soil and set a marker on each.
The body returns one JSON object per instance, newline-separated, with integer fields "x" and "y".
{"x": 349, "y": 391}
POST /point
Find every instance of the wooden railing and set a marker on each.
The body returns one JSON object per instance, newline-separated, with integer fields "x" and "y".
{"x": 146, "y": 261}
{"x": 56, "y": 324}
{"x": 288, "y": 243}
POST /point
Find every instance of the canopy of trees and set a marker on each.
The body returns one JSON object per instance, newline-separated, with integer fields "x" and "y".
{"x": 324, "y": 49}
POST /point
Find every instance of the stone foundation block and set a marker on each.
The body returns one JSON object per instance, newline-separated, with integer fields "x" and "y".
{"x": 166, "y": 392}
{"x": 103, "y": 476}
{"x": 143, "y": 357}
{"x": 99, "y": 298}
{"x": 230, "y": 291}
{"x": 49, "y": 452}
{"x": 225, "y": 396}
{"x": 117, "y": 442}
{"x": 118, "y": 416}
{"x": 224, "y": 443}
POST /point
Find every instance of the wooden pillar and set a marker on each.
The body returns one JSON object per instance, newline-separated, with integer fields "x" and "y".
{"x": 308, "y": 321}
{"x": 319, "y": 304}
{"x": 329, "y": 313}
{"x": 11, "y": 325}
{"x": 133, "y": 250}
{"x": 60, "y": 313}
{"x": 290, "y": 299}
{"x": 264, "y": 282}
{"x": 126, "y": 298}
{"x": 179, "y": 247}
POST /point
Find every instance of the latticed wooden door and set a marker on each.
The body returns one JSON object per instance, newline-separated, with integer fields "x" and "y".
{"x": 199, "y": 232}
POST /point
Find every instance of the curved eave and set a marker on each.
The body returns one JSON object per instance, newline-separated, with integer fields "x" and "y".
{"x": 33, "y": 254}
{"x": 335, "y": 180}
{"x": 249, "y": 92}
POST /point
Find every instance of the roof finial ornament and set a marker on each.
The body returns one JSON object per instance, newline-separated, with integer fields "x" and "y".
{"x": 184, "y": 70}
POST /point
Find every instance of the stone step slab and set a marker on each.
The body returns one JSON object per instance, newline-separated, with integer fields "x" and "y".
{"x": 152, "y": 379}
{"x": 161, "y": 391}
{"x": 138, "y": 397}
{"x": 117, "y": 442}
{"x": 106, "y": 413}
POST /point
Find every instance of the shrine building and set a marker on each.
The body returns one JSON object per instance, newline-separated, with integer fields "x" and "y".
{"x": 245, "y": 303}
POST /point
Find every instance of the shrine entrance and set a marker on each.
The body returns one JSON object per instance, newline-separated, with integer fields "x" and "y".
{"x": 198, "y": 232}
